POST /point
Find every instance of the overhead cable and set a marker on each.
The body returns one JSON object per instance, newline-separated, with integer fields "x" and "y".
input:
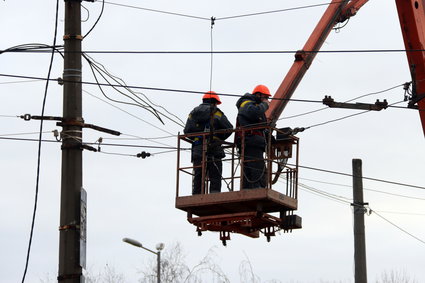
{"x": 358, "y": 97}
{"x": 161, "y": 89}
{"x": 402, "y": 213}
{"x": 275, "y": 11}
{"x": 157, "y": 11}
{"x": 345, "y": 117}
{"x": 39, "y": 50}
{"x": 366, "y": 189}
{"x": 100, "y": 15}
{"x": 365, "y": 178}
{"x": 398, "y": 227}
{"x": 93, "y": 143}
{"x": 19, "y": 82}
{"x": 134, "y": 116}
{"x": 145, "y": 102}
{"x": 327, "y": 195}
{"x": 223, "y": 18}
{"x": 222, "y": 94}
{"x": 39, "y": 145}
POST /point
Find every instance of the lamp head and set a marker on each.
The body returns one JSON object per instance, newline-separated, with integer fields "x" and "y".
{"x": 160, "y": 246}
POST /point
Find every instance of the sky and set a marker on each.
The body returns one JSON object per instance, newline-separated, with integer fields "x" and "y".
{"x": 133, "y": 197}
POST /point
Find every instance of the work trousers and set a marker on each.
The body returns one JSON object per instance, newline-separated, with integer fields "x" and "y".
{"x": 254, "y": 175}
{"x": 214, "y": 168}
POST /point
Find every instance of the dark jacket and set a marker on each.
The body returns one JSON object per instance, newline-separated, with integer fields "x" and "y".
{"x": 200, "y": 121}
{"x": 251, "y": 112}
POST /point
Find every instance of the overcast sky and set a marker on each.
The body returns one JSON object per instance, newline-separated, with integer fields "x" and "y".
{"x": 132, "y": 197}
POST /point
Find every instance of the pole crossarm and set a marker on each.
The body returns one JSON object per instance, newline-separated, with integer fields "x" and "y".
{"x": 377, "y": 106}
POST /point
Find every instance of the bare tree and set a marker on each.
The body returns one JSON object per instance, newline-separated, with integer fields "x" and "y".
{"x": 107, "y": 275}
{"x": 395, "y": 276}
{"x": 246, "y": 272}
{"x": 175, "y": 270}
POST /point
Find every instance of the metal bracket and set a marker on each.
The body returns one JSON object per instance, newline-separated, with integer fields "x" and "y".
{"x": 69, "y": 227}
{"x": 414, "y": 100}
{"x": 69, "y": 276}
{"x": 72, "y": 36}
{"x": 72, "y": 122}
{"x": 28, "y": 117}
{"x": 377, "y": 106}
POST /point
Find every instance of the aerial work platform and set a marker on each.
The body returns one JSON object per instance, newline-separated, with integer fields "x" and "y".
{"x": 249, "y": 212}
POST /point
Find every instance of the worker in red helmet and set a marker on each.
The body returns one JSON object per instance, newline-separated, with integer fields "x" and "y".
{"x": 251, "y": 113}
{"x": 208, "y": 118}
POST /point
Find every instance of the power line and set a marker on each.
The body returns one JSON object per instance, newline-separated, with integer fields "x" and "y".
{"x": 157, "y": 11}
{"x": 403, "y": 213}
{"x": 23, "y": 134}
{"x": 39, "y": 145}
{"x": 327, "y": 195}
{"x": 275, "y": 11}
{"x": 338, "y": 199}
{"x": 100, "y": 15}
{"x": 358, "y": 97}
{"x": 232, "y": 52}
{"x": 398, "y": 227}
{"x": 134, "y": 116}
{"x": 93, "y": 143}
{"x": 222, "y": 18}
{"x": 134, "y": 96}
{"x": 170, "y": 90}
{"x": 365, "y": 178}
{"x": 345, "y": 117}
{"x": 366, "y": 189}
{"x": 140, "y": 138}
{"x": 18, "y": 82}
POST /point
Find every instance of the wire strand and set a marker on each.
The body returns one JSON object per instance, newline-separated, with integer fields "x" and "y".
{"x": 275, "y": 11}
{"x": 398, "y": 227}
{"x": 366, "y": 189}
{"x": 157, "y": 11}
{"x": 358, "y": 97}
{"x": 39, "y": 146}
{"x": 365, "y": 178}
{"x": 100, "y": 15}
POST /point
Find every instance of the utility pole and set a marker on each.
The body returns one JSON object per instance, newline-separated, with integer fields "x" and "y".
{"x": 70, "y": 265}
{"x": 360, "y": 273}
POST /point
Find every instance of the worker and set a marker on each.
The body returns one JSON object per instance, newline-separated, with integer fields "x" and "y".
{"x": 251, "y": 113}
{"x": 208, "y": 118}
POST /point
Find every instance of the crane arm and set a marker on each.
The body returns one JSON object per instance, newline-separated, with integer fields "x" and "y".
{"x": 337, "y": 11}
{"x": 411, "y": 14}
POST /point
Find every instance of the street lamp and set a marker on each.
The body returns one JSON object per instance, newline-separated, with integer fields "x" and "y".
{"x": 159, "y": 248}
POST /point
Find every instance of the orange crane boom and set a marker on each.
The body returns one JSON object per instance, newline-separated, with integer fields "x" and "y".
{"x": 412, "y": 21}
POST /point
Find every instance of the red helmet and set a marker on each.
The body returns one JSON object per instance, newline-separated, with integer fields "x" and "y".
{"x": 261, "y": 89}
{"x": 212, "y": 95}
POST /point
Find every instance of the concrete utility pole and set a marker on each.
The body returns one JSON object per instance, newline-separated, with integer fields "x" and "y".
{"x": 70, "y": 266}
{"x": 360, "y": 273}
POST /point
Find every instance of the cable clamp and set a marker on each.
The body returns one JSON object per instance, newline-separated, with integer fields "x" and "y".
{"x": 72, "y": 36}
{"x": 79, "y": 122}
{"x": 80, "y": 146}
{"x": 414, "y": 100}
{"x": 69, "y": 276}
{"x": 143, "y": 154}
{"x": 69, "y": 227}
{"x": 26, "y": 117}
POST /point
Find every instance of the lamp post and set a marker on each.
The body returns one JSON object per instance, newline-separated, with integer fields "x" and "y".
{"x": 159, "y": 248}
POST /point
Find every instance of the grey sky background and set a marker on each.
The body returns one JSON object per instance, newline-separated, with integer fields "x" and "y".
{"x": 131, "y": 197}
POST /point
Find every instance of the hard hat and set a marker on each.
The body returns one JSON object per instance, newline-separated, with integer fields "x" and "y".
{"x": 212, "y": 95}
{"x": 261, "y": 89}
